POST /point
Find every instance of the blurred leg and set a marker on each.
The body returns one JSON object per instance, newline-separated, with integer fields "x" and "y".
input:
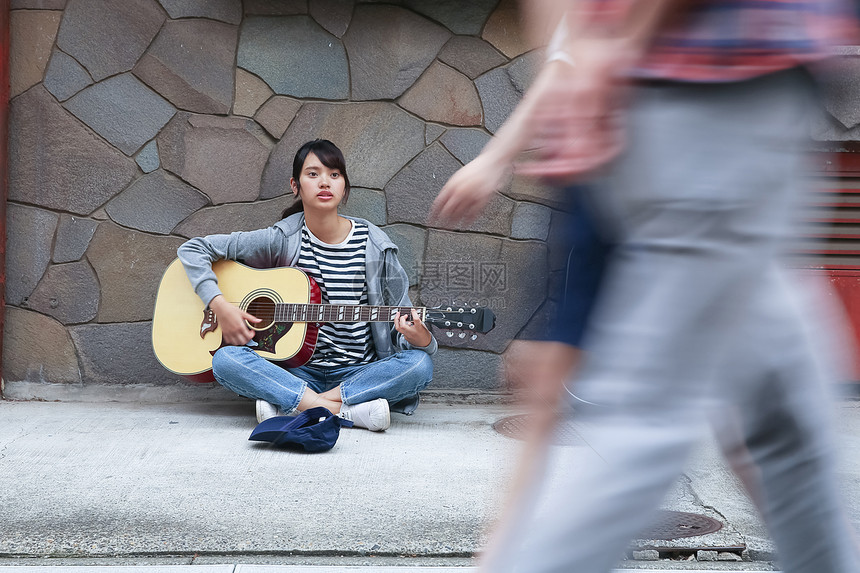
{"x": 786, "y": 417}
{"x": 701, "y": 204}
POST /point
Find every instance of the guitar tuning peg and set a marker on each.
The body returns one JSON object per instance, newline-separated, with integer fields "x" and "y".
{"x": 449, "y": 334}
{"x": 474, "y": 310}
{"x": 474, "y": 337}
{"x": 462, "y": 335}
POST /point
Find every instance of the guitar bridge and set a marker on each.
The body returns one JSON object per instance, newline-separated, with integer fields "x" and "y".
{"x": 209, "y": 323}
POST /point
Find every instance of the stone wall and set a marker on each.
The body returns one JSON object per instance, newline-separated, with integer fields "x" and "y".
{"x": 138, "y": 124}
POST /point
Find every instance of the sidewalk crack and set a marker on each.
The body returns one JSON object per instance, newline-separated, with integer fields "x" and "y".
{"x": 21, "y": 433}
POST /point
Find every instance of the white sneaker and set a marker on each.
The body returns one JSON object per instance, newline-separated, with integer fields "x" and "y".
{"x": 373, "y": 415}
{"x": 266, "y": 411}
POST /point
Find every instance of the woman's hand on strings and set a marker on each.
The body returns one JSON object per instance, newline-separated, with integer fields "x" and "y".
{"x": 233, "y": 321}
{"x": 412, "y": 328}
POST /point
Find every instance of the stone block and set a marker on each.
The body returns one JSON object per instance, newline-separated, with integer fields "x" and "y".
{"x": 229, "y": 11}
{"x": 531, "y": 221}
{"x": 32, "y": 34}
{"x": 728, "y": 556}
{"x": 295, "y": 56}
{"x": 444, "y": 95}
{"x": 108, "y": 36}
{"x": 464, "y": 369}
{"x": 191, "y": 64}
{"x": 276, "y": 115}
{"x": 333, "y": 15}
{"x": 73, "y": 237}
{"x": 465, "y": 143}
{"x": 410, "y": 241}
{"x": 825, "y": 127}
{"x": 538, "y": 327}
{"x": 646, "y": 555}
{"x": 237, "y": 217}
{"x": 508, "y": 277}
{"x": 706, "y": 555}
{"x": 83, "y": 171}
{"x": 122, "y": 110}
{"x": 38, "y": 4}
{"x": 521, "y": 286}
{"x": 459, "y": 17}
{"x": 276, "y": 7}
{"x": 29, "y": 234}
{"x": 365, "y": 203}
{"x": 155, "y": 203}
{"x": 65, "y": 77}
{"x": 220, "y": 156}
{"x": 147, "y": 157}
{"x": 37, "y": 348}
{"x": 68, "y": 292}
{"x": 523, "y": 69}
{"x": 389, "y": 48}
{"x": 251, "y": 93}
{"x": 377, "y": 139}
{"x": 129, "y": 266}
{"x": 432, "y": 132}
{"x": 839, "y": 90}
{"x": 470, "y": 55}
{"x": 411, "y": 193}
{"x": 119, "y": 354}
{"x": 498, "y": 96}
{"x": 504, "y": 30}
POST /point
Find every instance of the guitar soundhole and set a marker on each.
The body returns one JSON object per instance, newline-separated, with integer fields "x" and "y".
{"x": 263, "y": 308}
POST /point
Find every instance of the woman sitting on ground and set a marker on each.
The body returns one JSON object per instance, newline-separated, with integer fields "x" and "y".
{"x": 360, "y": 371}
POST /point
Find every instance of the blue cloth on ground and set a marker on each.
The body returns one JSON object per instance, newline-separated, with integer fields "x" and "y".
{"x": 314, "y": 430}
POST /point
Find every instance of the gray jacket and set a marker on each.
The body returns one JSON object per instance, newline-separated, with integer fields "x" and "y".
{"x": 278, "y": 246}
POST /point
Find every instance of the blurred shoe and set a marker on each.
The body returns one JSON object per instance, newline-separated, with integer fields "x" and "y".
{"x": 266, "y": 411}
{"x": 373, "y": 415}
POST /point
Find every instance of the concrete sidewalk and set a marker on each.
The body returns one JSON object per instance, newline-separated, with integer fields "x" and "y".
{"x": 122, "y": 483}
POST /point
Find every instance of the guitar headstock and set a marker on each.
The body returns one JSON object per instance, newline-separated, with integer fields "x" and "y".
{"x": 469, "y": 320}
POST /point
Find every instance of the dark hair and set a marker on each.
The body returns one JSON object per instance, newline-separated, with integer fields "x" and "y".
{"x": 330, "y": 156}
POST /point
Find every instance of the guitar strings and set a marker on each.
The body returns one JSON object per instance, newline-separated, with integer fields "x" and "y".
{"x": 266, "y": 310}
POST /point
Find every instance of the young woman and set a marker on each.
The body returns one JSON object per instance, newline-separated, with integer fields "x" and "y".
{"x": 361, "y": 371}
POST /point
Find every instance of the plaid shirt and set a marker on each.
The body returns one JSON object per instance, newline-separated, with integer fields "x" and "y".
{"x": 728, "y": 40}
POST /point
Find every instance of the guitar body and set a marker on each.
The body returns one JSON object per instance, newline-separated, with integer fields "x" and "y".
{"x": 184, "y": 332}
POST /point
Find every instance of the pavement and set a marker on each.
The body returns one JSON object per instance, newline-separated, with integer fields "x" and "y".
{"x": 120, "y": 486}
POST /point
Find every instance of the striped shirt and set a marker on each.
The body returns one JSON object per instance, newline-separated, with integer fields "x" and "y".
{"x": 339, "y": 270}
{"x": 730, "y": 40}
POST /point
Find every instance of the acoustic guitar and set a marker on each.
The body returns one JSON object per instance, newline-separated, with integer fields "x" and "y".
{"x": 185, "y": 333}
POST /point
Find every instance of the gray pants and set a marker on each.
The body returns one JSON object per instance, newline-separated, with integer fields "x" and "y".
{"x": 696, "y": 316}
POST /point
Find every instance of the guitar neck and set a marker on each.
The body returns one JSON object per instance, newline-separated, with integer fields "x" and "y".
{"x": 289, "y": 312}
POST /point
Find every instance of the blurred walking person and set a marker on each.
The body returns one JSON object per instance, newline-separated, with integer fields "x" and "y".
{"x": 689, "y": 116}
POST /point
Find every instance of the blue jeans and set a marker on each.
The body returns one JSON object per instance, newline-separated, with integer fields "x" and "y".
{"x": 397, "y": 378}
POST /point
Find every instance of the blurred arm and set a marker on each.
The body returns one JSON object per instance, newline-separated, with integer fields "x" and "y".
{"x": 578, "y": 121}
{"x": 467, "y": 193}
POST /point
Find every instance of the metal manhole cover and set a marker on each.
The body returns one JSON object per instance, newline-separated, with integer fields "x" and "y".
{"x": 517, "y": 426}
{"x": 675, "y": 524}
